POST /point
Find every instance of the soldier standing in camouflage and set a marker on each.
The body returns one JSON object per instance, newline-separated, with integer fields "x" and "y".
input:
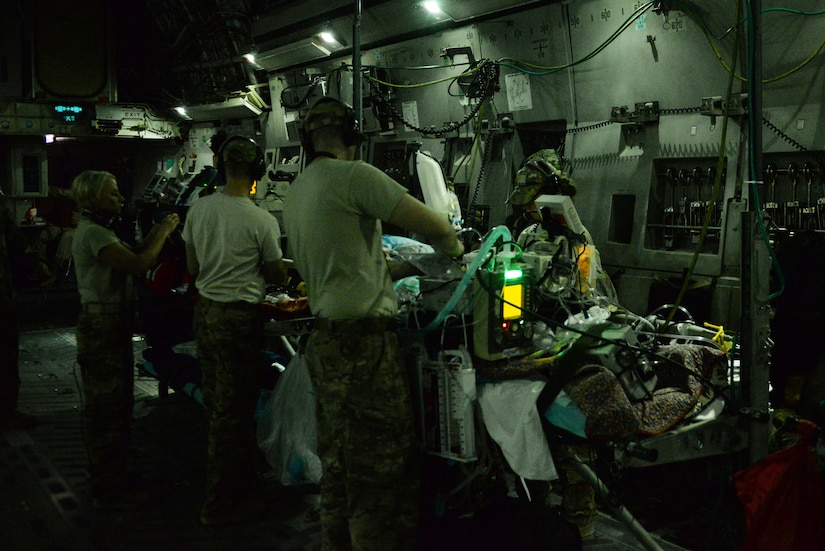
{"x": 11, "y": 240}
{"x": 232, "y": 250}
{"x": 366, "y": 433}
{"x": 541, "y": 174}
{"x": 104, "y": 266}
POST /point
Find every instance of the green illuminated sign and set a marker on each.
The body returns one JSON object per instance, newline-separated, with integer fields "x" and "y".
{"x": 69, "y": 113}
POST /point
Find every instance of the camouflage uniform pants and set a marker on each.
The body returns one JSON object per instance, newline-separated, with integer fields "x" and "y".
{"x": 366, "y": 441}
{"x": 578, "y": 503}
{"x": 106, "y": 357}
{"x": 229, "y": 340}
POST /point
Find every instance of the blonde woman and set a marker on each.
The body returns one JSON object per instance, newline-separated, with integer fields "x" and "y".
{"x": 104, "y": 266}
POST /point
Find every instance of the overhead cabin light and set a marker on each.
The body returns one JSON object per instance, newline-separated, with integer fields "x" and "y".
{"x": 182, "y": 111}
{"x": 314, "y": 47}
{"x": 252, "y": 60}
{"x": 432, "y": 7}
{"x": 330, "y": 40}
{"x": 434, "y": 10}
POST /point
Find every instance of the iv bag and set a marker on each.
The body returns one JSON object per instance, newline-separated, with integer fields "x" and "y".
{"x": 434, "y": 188}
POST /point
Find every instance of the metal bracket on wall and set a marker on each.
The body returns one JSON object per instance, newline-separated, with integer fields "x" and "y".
{"x": 715, "y": 105}
{"x": 643, "y": 113}
{"x": 469, "y": 83}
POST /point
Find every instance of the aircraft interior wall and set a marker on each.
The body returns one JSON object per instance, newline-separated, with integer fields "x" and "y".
{"x": 649, "y": 104}
{"x": 629, "y": 93}
{"x": 634, "y": 92}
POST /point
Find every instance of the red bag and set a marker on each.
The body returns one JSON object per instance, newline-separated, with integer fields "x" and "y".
{"x": 782, "y": 496}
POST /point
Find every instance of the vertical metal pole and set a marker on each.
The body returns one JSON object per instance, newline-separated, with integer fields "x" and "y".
{"x": 111, "y": 57}
{"x": 357, "y": 100}
{"x": 755, "y": 353}
{"x": 755, "y": 88}
{"x": 755, "y": 357}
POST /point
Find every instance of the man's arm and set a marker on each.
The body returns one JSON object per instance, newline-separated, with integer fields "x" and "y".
{"x": 413, "y": 215}
{"x": 400, "y": 269}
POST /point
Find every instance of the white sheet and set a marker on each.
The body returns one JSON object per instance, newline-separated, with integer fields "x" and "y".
{"x": 512, "y": 420}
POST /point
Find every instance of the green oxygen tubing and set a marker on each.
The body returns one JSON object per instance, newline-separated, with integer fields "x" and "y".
{"x": 494, "y": 235}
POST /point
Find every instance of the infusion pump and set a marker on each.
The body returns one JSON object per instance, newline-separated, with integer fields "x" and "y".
{"x": 503, "y": 297}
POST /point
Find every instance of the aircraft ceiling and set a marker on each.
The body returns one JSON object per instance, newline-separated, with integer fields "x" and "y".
{"x": 174, "y": 52}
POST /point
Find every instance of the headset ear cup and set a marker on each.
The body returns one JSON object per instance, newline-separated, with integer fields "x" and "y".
{"x": 349, "y": 138}
{"x": 306, "y": 143}
{"x": 349, "y": 128}
{"x": 260, "y": 167}
{"x": 220, "y": 167}
{"x": 351, "y": 134}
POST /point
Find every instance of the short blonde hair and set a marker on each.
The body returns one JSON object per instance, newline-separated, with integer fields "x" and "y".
{"x": 87, "y": 188}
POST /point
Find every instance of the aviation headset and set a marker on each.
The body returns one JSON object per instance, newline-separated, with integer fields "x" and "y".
{"x": 329, "y": 111}
{"x": 108, "y": 221}
{"x": 225, "y": 154}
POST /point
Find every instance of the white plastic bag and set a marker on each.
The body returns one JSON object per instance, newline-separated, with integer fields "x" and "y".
{"x": 509, "y": 412}
{"x": 287, "y": 429}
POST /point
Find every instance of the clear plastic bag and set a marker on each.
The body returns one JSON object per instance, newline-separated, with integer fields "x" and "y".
{"x": 287, "y": 427}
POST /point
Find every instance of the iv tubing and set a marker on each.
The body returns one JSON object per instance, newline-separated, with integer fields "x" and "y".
{"x": 498, "y": 231}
